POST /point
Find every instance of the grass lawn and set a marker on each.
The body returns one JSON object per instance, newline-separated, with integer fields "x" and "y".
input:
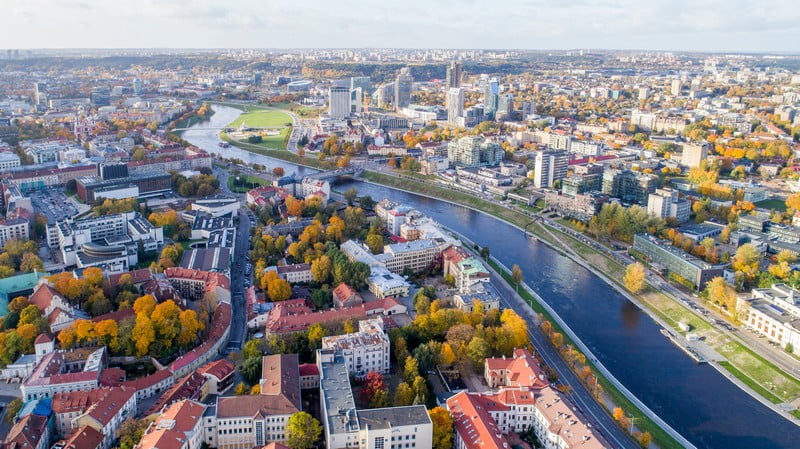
{"x": 760, "y": 371}
{"x": 749, "y": 382}
{"x": 263, "y": 118}
{"x": 772, "y": 203}
{"x": 276, "y": 142}
{"x": 251, "y": 182}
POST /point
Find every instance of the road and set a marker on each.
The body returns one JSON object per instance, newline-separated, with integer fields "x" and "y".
{"x": 579, "y": 395}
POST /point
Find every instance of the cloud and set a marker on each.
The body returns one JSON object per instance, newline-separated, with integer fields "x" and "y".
{"x": 656, "y": 24}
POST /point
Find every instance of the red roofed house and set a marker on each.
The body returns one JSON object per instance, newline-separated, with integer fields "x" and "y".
{"x": 309, "y": 376}
{"x": 59, "y": 313}
{"x": 30, "y": 432}
{"x": 84, "y": 438}
{"x": 346, "y": 296}
{"x": 149, "y": 386}
{"x": 217, "y": 338}
{"x": 194, "y": 284}
{"x": 521, "y": 370}
{"x": 103, "y": 409}
{"x": 295, "y": 315}
{"x": 219, "y": 374}
{"x": 180, "y": 426}
{"x": 193, "y": 386}
{"x": 244, "y": 422}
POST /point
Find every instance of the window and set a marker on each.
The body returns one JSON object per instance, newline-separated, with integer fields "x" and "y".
{"x": 378, "y": 442}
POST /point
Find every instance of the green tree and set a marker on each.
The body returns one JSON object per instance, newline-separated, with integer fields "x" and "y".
{"x": 404, "y": 395}
{"x": 302, "y": 431}
{"x": 12, "y": 409}
{"x": 350, "y": 196}
{"x": 375, "y": 243}
{"x": 477, "y": 351}
{"x": 420, "y": 388}
{"x": 410, "y": 369}
{"x": 131, "y": 431}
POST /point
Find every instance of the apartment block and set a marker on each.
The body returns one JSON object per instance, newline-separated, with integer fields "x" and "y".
{"x": 661, "y": 254}
{"x": 550, "y": 166}
{"x": 666, "y": 203}
{"x": 629, "y": 186}
{"x": 363, "y": 351}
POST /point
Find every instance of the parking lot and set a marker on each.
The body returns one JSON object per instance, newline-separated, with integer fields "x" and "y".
{"x": 53, "y": 204}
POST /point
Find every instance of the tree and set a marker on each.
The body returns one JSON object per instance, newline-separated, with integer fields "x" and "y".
{"x": 315, "y": 333}
{"x": 278, "y": 172}
{"x": 645, "y": 438}
{"x": 321, "y": 269}
{"x": 31, "y": 262}
{"x": 143, "y": 334}
{"x": 634, "y": 277}
{"x": 447, "y": 357}
{"x": 516, "y": 275}
{"x": 410, "y": 369}
{"x": 793, "y": 202}
{"x": 302, "y": 431}
{"x": 279, "y": 290}
{"x": 477, "y": 351}
{"x": 12, "y": 409}
{"x": 379, "y": 399}
{"x": 746, "y": 261}
{"x": 131, "y": 431}
{"x": 366, "y": 202}
{"x": 420, "y": 390}
{"x": 375, "y": 243}
{"x": 442, "y": 428}
{"x": 240, "y": 389}
{"x": 350, "y": 196}
{"x": 618, "y": 413}
{"x": 720, "y": 292}
{"x": 404, "y": 395}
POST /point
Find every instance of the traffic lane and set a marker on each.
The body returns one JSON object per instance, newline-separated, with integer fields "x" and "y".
{"x": 585, "y": 402}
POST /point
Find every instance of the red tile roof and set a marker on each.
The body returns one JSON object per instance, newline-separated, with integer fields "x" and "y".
{"x": 26, "y": 433}
{"x": 474, "y": 424}
{"x": 212, "y": 280}
{"x": 280, "y": 391}
{"x": 44, "y": 337}
{"x": 83, "y": 438}
{"x": 188, "y": 387}
{"x": 142, "y": 383}
{"x": 309, "y": 369}
{"x": 220, "y": 369}
{"x": 102, "y": 404}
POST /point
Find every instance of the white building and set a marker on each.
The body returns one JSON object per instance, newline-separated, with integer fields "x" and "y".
{"x": 14, "y": 228}
{"x": 8, "y": 160}
{"x": 103, "y": 409}
{"x": 339, "y": 102}
{"x": 311, "y": 186}
{"x": 666, "y": 203}
{"x": 455, "y": 104}
{"x": 363, "y": 351}
{"x": 550, "y": 167}
{"x": 775, "y": 312}
{"x": 217, "y": 205}
{"x": 382, "y": 428}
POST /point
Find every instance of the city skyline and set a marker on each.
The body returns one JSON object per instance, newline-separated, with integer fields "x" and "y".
{"x": 712, "y": 26}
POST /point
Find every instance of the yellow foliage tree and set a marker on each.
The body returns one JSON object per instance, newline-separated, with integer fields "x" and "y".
{"x": 634, "y": 277}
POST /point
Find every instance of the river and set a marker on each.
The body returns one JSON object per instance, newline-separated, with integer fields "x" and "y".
{"x": 694, "y": 399}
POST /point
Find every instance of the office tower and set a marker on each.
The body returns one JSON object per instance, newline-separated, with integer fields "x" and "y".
{"x": 402, "y": 89}
{"x": 138, "y": 86}
{"x": 356, "y": 100}
{"x": 644, "y": 93}
{"x": 453, "y": 78}
{"x": 339, "y": 102}
{"x": 505, "y": 107}
{"x": 528, "y": 109}
{"x": 455, "y": 104}
{"x": 257, "y": 79}
{"x": 490, "y": 92}
{"x": 40, "y": 95}
{"x": 550, "y": 167}
{"x": 364, "y": 82}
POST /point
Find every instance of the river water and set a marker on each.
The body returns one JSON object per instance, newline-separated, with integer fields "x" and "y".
{"x": 694, "y": 399}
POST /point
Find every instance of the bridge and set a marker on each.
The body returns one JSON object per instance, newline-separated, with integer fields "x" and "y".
{"x": 330, "y": 175}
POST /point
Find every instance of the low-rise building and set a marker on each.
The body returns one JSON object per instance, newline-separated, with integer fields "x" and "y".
{"x": 217, "y": 205}
{"x": 363, "y": 351}
{"x": 581, "y": 206}
{"x": 244, "y": 422}
{"x": 103, "y": 409}
{"x": 775, "y": 312}
{"x": 349, "y": 428}
{"x": 30, "y": 432}
{"x": 345, "y": 296}
{"x": 675, "y": 261}
{"x": 295, "y": 273}
{"x": 179, "y": 426}
{"x": 196, "y": 284}
{"x": 14, "y": 228}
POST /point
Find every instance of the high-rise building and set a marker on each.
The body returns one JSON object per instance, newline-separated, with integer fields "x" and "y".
{"x": 550, "y": 167}
{"x": 666, "y": 203}
{"x": 402, "y": 89}
{"x": 40, "y": 95}
{"x": 138, "y": 86}
{"x": 629, "y": 185}
{"x": 339, "y": 102}
{"x": 453, "y": 78}
{"x": 693, "y": 154}
{"x": 528, "y": 109}
{"x": 364, "y": 82}
{"x": 101, "y": 96}
{"x": 644, "y": 93}
{"x": 490, "y": 93}
{"x": 455, "y": 104}
{"x": 675, "y": 87}
{"x": 505, "y": 107}
{"x": 473, "y": 151}
{"x": 356, "y": 100}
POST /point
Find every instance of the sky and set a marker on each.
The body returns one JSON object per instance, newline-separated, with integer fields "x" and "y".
{"x": 681, "y": 25}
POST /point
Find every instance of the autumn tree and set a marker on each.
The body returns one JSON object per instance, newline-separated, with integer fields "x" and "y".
{"x": 410, "y": 369}
{"x": 793, "y": 202}
{"x": 516, "y": 276}
{"x": 477, "y": 351}
{"x": 746, "y": 261}
{"x": 302, "y": 431}
{"x": 31, "y": 262}
{"x": 143, "y": 334}
{"x": 442, "y": 428}
{"x": 618, "y": 413}
{"x": 375, "y": 243}
{"x": 279, "y": 290}
{"x": 404, "y": 395}
{"x": 321, "y": 269}
{"x": 720, "y": 292}
{"x": 634, "y": 277}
